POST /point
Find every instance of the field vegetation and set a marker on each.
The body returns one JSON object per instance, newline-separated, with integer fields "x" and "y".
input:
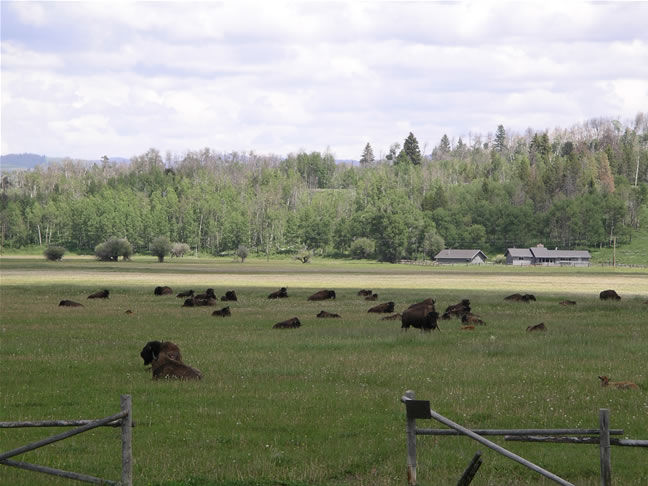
{"x": 317, "y": 405}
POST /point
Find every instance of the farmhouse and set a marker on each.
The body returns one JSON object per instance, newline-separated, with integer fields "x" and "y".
{"x": 539, "y": 255}
{"x": 460, "y": 256}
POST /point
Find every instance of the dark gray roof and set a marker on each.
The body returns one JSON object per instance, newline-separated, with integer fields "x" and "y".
{"x": 542, "y": 252}
{"x": 520, "y": 252}
{"x": 460, "y": 254}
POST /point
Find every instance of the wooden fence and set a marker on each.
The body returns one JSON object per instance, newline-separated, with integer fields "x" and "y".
{"x": 123, "y": 419}
{"x": 420, "y": 409}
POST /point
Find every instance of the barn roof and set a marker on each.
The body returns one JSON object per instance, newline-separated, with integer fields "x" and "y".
{"x": 542, "y": 252}
{"x": 459, "y": 254}
{"x": 520, "y": 252}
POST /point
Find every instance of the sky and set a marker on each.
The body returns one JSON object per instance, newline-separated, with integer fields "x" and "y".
{"x": 87, "y": 79}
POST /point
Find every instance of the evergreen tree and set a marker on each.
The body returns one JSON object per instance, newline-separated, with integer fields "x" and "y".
{"x": 412, "y": 150}
{"x": 367, "y": 156}
{"x": 500, "y": 139}
{"x": 444, "y": 144}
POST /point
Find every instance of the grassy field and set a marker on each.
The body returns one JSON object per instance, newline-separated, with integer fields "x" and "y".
{"x": 318, "y": 405}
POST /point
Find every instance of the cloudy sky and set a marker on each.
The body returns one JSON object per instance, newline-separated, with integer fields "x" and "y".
{"x": 85, "y": 79}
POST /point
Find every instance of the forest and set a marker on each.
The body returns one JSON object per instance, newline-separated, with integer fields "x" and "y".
{"x": 572, "y": 188}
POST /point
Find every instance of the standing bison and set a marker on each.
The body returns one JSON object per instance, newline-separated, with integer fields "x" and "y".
{"x": 609, "y": 295}
{"x": 323, "y": 295}
{"x": 421, "y": 316}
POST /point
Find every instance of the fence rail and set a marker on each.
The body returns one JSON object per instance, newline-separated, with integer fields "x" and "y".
{"x": 124, "y": 419}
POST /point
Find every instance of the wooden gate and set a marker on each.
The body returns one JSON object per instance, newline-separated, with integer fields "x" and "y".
{"x": 123, "y": 419}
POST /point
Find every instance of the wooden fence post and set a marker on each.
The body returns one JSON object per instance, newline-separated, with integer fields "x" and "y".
{"x": 127, "y": 441}
{"x": 604, "y": 441}
{"x": 411, "y": 445}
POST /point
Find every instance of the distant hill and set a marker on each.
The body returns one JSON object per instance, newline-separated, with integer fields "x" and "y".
{"x": 29, "y": 161}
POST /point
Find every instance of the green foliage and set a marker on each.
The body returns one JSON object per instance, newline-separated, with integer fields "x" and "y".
{"x": 367, "y": 156}
{"x": 363, "y": 248}
{"x": 179, "y": 249}
{"x": 411, "y": 152}
{"x": 112, "y": 249}
{"x": 242, "y": 252}
{"x": 160, "y": 247}
{"x": 304, "y": 255}
{"x": 54, "y": 253}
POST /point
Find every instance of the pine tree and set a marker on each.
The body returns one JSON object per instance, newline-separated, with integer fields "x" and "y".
{"x": 412, "y": 150}
{"x": 500, "y": 139}
{"x": 367, "y": 156}
{"x": 444, "y": 145}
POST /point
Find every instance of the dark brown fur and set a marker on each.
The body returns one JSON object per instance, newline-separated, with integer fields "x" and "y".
{"x": 457, "y": 310}
{"x": 282, "y": 293}
{"x": 209, "y": 294}
{"x": 102, "y": 294}
{"x": 364, "y": 292}
{"x": 609, "y": 295}
{"x": 323, "y": 295}
{"x": 393, "y": 317}
{"x": 288, "y": 324}
{"x": 188, "y": 293}
{"x": 230, "y": 296}
{"x": 568, "y": 302}
{"x": 154, "y": 349}
{"x": 69, "y": 303}
{"x": 224, "y": 312}
{"x": 537, "y": 327}
{"x": 421, "y": 316}
{"x": 163, "y": 291}
{"x": 384, "y": 308}
{"x": 166, "y": 367}
{"x": 371, "y": 297}
{"x": 470, "y": 318}
{"x": 324, "y": 314}
{"x": 520, "y": 298}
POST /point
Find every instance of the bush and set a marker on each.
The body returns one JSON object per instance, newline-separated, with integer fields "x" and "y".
{"x": 160, "y": 247}
{"x": 54, "y": 253}
{"x": 114, "y": 248}
{"x": 363, "y": 248}
{"x": 304, "y": 255}
{"x": 179, "y": 249}
{"x": 242, "y": 252}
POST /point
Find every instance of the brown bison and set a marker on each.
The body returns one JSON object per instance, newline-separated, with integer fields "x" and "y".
{"x": 537, "y": 327}
{"x": 230, "y": 296}
{"x": 163, "y": 291}
{"x": 288, "y": 324}
{"x": 393, "y": 317}
{"x": 364, "y": 293}
{"x": 471, "y": 319}
{"x": 621, "y": 385}
{"x": 323, "y": 295}
{"x": 69, "y": 303}
{"x": 421, "y": 316}
{"x": 457, "y": 310}
{"x": 371, "y": 297}
{"x": 224, "y": 312}
{"x": 209, "y": 294}
{"x": 520, "y": 298}
{"x": 102, "y": 294}
{"x": 609, "y": 295}
{"x": 166, "y": 367}
{"x": 128, "y": 312}
{"x": 467, "y": 328}
{"x": 188, "y": 293}
{"x": 324, "y": 314}
{"x": 385, "y": 308}
{"x": 567, "y": 302}
{"x": 154, "y": 349}
{"x": 282, "y": 293}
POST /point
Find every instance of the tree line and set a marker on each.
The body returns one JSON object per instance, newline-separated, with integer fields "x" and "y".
{"x": 571, "y": 188}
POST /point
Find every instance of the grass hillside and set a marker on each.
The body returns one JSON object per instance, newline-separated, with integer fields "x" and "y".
{"x": 633, "y": 253}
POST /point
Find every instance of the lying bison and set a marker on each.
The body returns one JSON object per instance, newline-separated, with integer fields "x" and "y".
{"x": 393, "y": 317}
{"x": 288, "y": 324}
{"x": 520, "y": 298}
{"x": 224, "y": 312}
{"x": 364, "y": 293}
{"x": 385, "y": 308}
{"x": 185, "y": 294}
{"x": 371, "y": 297}
{"x": 69, "y": 303}
{"x": 567, "y": 302}
{"x": 102, "y": 294}
{"x": 537, "y": 327}
{"x": 323, "y": 295}
{"x": 323, "y": 314}
{"x": 166, "y": 367}
{"x": 230, "y": 296}
{"x": 154, "y": 349}
{"x": 457, "y": 310}
{"x": 609, "y": 295}
{"x": 421, "y": 316}
{"x": 282, "y": 293}
{"x": 209, "y": 294}
{"x": 471, "y": 319}
{"x": 163, "y": 291}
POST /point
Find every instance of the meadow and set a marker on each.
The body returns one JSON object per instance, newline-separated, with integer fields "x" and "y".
{"x": 319, "y": 405}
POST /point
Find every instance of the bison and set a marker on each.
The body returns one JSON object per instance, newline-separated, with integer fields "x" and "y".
{"x": 154, "y": 349}
{"x": 102, "y": 294}
{"x": 467, "y": 328}
{"x": 371, "y": 297}
{"x": 288, "y": 324}
{"x": 471, "y": 319}
{"x": 282, "y": 293}
{"x": 621, "y": 385}
{"x": 166, "y": 367}
{"x": 385, "y": 308}
{"x": 457, "y": 310}
{"x": 323, "y": 295}
{"x": 364, "y": 293}
{"x": 520, "y": 298}
{"x": 128, "y": 312}
{"x": 537, "y": 327}
{"x": 69, "y": 303}
{"x": 224, "y": 312}
{"x": 230, "y": 296}
{"x": 567, "y": 302}
{"x": 209, "y": 294}
{"x": 188, "y": 293}
{"x": 609, "y": 295}
{"x": 324, "y": 314}
{"x": 421, "y": 316}
{"x": 393, "y": 317}
{"x": 163, "y": 291}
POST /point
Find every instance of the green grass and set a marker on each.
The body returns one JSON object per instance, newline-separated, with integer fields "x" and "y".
{"x": 318, "y": 405}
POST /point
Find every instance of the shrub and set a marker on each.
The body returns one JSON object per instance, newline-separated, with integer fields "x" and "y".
{"x": 304, "y": 255}
{"x": 160, "y": 247}
{"x": 363, "y": 248}
{"x": 179, "y": 249}
{"x": 54, "y": 253}
{"x": 114, "y": 248}
{"x": 242, "y": 252}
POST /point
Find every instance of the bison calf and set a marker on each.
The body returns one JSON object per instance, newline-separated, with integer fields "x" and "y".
{"x": 288, "y": 324}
